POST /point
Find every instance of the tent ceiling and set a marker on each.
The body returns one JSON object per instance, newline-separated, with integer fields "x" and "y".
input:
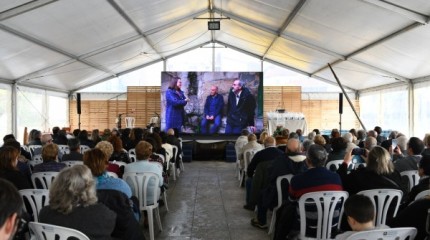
{"x": 69, "y": 44}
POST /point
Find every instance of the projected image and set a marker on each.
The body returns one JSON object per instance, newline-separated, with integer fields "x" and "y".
{"x": 212, "y": 102}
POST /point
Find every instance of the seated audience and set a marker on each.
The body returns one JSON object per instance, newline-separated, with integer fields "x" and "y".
{"x": 251, "y": 145}
{"x": 300, "y": 134}
{"x": 282, "y": 138}
{"x": 410, "y": 162}
{"x": 84, "y": 140}
{"x": 11, "y": 205}
{"x": 415, "y": 215}
{"x": 423, "y": 184}
{"x": 339, "y": 148}
{"x": 61, "y": 138}
{"x": 75, "y": 151}
{"x": 378, "y": 173}
{"x": 118, "y": 154}
{"x": 360, "y": 214}
{"x": 292, "y": 162}
{"x": 95, "y": 136}
{"x": 173, "y": 140}
{"x": 263, "y": 136}
{"x": 380, "y": 138}
{"x": 73, "y": 204}
{"x": 22, "y": 163}
{"x": 107, "y": 149}
{"x": 25, "y": 155}
{"x": 50, "y": 160}
{"x": 240, "y": 142}
{"x": 143, "y": 152}
{"x": 8, "y": 168}
{"x": 316, "y": 178}
{"x": 125, "y": 138}
{"x": 268, "y": 154}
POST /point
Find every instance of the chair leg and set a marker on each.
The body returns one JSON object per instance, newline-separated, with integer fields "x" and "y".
{"x": 173, "y": 170}
{"x": 182, "y": 165}
{"x": 165, "y": 200}
{"x": 158, "y": 218}
{"x": 151, "y": 224}
{"x": 272, "y": 223}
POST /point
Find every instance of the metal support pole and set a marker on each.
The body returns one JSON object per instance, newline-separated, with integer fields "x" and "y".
{"x": 347, "y": 98}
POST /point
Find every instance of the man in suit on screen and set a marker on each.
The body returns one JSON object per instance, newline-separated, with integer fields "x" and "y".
{"x": 240, "y": 108}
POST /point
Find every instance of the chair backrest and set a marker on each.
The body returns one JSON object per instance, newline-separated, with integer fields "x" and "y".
{"x": 132, "y": 151}
{"x": 382, "y": 199}
{"x": 36, "y": 199}
{"x": 422, "y": 194}
{"x": 334, "y": 165}
{"x": 43, "y": 231}
{"x": 175, "y": 152}
{"x": 279, "y": 186}
{"x": 37, "y": 159}
{"x": 413, "y": 177}
{"x": 64, "y": 149}
{"x": 247, "y": 157}
{"x": 139, "y": 183}
{"x": 161, "y": 156}
{"x": 72, "y": 163}
{"x": 385, "y": 234}
{"x": 43, "y": 178}
{"x": 132, "y": 157}
{"x": 35, "y": 149}
{"x": 84, "y": 148}
{"x": 328, "y": 206}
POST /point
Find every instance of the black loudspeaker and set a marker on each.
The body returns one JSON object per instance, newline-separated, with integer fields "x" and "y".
{"x": 78, "y": 103}
{"x": 340, "y": 103}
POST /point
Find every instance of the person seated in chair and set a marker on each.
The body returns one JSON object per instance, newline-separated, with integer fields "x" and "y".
{"x": 75, "y": 151}
{"x": 10, "y": 209}
{"x": 360, "y": 214}
{"x": 212, "y": 112}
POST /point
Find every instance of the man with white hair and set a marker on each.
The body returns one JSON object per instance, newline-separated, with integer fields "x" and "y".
{"x": 251, "y": 145}
{"x": 348, "y": 139}
{"x": 269, "y": 153}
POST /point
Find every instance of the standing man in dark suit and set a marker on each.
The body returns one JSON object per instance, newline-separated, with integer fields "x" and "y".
{"x": 213, "y": 112}
{"x": 240, "y": 108}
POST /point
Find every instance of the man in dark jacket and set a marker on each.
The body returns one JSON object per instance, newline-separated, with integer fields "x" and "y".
{"x": 240, "y": 108}
{"x": 213, "y": 112}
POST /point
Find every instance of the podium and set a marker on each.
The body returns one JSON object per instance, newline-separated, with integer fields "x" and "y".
{"x": 291, "y": 121}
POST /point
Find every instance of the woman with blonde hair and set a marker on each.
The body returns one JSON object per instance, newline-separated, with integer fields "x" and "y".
{"x": 73, "y": 204}
{"x": 263, "y": 136}
{"x": 378, "y": 173}
{"x": 107, "y": 148}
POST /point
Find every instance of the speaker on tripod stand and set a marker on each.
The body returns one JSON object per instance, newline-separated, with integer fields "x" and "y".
{"x": 340, "y": 111}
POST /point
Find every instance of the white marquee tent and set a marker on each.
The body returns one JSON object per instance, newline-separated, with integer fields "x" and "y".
{"x": 64, "y": 46}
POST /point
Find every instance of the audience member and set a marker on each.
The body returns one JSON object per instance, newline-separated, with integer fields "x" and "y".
{"x": 300, "y": 134}
{"x": 263, "y": 136}
{"x": 73, "y": 204}
{"x": 173, "y": 140}
{"x": 361, "y": 135}
{"x": 293, "y": 162}
{"x": 283, "y": 138}
{"x": 251, "y": 145}
{"x": 107, "y": 149}
{"x": 22, "y": 163}
{"x": 360, "y": 214}
{"x": 338, "y": 145}
{"x": 240, "y": 142}
{"x": 55, "y": 133}
{"x": 24, "y": 153}
{"x": 423, "y": 184}
{"x": 143, "y": 152}
{"x": 61, "y": 138}
{"x": 410, "y": 162}
{"x": 95, "y": 136}
{"x": 125, "y": 138}
{"x": 370, "y": 143}
{"x": 84, "y": 140}
{"x": 118, "y": 154}
{"x": 380, "y": 138}
{"x": 316, "y": 178}
{"x": 75, "y": 151}
{"x": 268, "y": 154}
{"x": 378, "y": 173}
{"x": 34, "y": 137}
{"x": 11, "y": 205}
{"x": 50, "y": 160}
{"x": 8, "y": 168}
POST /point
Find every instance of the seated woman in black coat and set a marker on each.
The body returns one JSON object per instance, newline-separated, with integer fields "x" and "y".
{"x": 73, "y": 204}
{"x": 8, "y": 168}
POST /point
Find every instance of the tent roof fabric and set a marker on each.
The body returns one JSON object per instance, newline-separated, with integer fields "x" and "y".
{"x": 70, "y": 44}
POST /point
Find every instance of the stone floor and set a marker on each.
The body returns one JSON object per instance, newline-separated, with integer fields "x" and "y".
{"x": 206, "y": 202}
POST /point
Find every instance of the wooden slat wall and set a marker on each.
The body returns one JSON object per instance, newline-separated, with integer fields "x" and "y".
{"x": 143, "y": 102}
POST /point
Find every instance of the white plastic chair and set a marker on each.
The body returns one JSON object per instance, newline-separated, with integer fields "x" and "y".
{"x": 382, "y": 199}
{"x": 36, "y": 198}
{"x": 132, "y": 157}
{"x": 334, "y": 164}
{"x": 132, "y": 151}
{"x": 43, "y": 231}
{"x": 172, "y": 165}
{"x": 413, "y": 177}
{"x": 139, "y": 182}
{"x": 247, "y": 157}
{"x": 37, "y": 159}
{"x": 64, "y": 149}
{"x": 161, "y": 156}
{"x": 326, "y": 204}
{"x": 72, "y": 163}
{"x": 422, "y": 194}
{"x": 84, "y": 148}
{"x": 44, "y": 178}
{"x": 35, "y": 149}
{"x": 279, "y": 191}
{"x": 385, "y": 234}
